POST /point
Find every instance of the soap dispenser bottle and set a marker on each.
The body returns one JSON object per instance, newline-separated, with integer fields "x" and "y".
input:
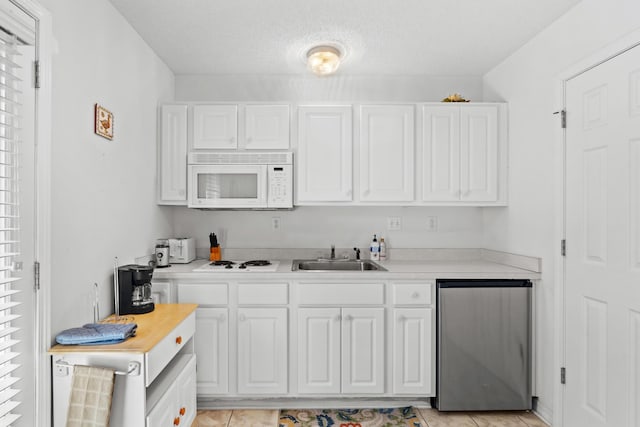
{"x": 375, "y": 249}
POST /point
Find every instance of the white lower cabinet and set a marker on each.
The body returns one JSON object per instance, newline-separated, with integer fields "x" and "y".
{"x": 413, "y": 351}
{"x": 363, "y": 350}
{"x": 177, "y": 406}
{"x": 262, "y": 351}
{"x": 341, "y": 350}
{"x": 212, "y": 350}
{"x": 319, "y": 350}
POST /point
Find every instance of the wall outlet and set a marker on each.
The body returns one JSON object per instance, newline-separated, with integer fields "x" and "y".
{"x": 275, "y": 223}
{"x": 432, "y": 223}
{"x": 394, "y": 223}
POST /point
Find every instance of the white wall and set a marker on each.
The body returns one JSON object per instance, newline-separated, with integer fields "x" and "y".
{"x": 527, "y": 80}
{"x": 103, "y": 192}
{"x": 345, "y": 227}
{"x": 319, "y": 227}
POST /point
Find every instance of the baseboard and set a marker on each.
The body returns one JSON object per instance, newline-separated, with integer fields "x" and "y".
{"x": 544, "y": 412}
{"x": 320, "y": 403}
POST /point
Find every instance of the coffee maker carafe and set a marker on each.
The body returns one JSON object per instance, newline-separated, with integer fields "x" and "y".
{"x": 134, "y": 288}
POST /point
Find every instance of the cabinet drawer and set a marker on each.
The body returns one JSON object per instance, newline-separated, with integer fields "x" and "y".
{"x": 163, "y": 352}
{"x": 412, "y": 293}
{"x": 263, "y": 293}
{"x": 341, "y": 293}
{"x": 204, "y": 293}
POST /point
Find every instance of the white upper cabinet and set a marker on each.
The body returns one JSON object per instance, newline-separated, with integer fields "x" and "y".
{"x": 463, "y": 153}
{"x": 324, "y": 158}
{"x": 440, "y": 153}
{"x": 266, "y": 127}
{"x": 172, "y": 155}
{"x": 215, "y": 127}
{"x": 386, "y": 153}
{"x": 479, "y": 153}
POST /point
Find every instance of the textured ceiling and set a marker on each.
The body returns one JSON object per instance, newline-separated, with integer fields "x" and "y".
{"x": 433, "y": 37}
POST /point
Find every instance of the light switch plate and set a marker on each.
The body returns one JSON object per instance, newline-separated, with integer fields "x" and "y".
{"x": 394, "y": 223}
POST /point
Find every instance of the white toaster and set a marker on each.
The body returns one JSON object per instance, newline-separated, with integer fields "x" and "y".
{"x": 182, "y": 250}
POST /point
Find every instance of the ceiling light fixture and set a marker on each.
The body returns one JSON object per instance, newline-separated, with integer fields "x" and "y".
{"x": 323, "y": 60}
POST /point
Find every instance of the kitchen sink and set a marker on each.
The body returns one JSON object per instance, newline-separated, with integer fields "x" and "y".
{"x": 335, "y": 265}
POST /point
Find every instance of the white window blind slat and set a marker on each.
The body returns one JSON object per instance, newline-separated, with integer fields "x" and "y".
{"x": 10, "y": 115}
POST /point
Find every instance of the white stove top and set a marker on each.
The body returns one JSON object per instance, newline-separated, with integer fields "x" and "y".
{"x": 208, "y": 268}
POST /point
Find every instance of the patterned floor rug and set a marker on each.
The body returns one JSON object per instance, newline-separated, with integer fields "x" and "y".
{"x": 392, "y": 417}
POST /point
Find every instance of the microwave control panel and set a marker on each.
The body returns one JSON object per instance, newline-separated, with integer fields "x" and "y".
{"x": 280, "y": 182}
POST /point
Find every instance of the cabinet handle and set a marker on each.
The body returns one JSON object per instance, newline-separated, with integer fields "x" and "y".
{"x": 402, "y": 318}
{"x": 366, "y": 193}
{"x": 232, "y": 139}
{"x": 348, "y": 317}
{"x": 176, "y": 421}
{"x": 242, "y": 317}
{"x": 222, "y": 317}
{"x": 337, "y": 318}
{"x": 249, "y": 140}
{"x": 178, "y": 340}
{"x": 415, "y": 295}
{"x": 183, "y": 411}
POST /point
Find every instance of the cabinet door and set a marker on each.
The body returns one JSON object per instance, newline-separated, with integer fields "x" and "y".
{"x": 440, "y": 153}
{"x": 215, "y": 127}
{"x": 212, "y": 350}
{"x": 172, "y": 161}
{"x": 165, "y": 412}
{"x": 319, "y": 350}
{"x": 386, "y": 153}
{"x": 413, "y": 351}
{"x": 324, "y": 160}
{"x": 186, "y": 383}
{"x": 479, "y": 153}
{"x": 266, "y": 127}
{"x": 363, "y": 350}
{"x": 262, "y": 351}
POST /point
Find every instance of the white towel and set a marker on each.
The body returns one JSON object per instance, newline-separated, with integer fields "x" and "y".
{"x": 90, "y": 400}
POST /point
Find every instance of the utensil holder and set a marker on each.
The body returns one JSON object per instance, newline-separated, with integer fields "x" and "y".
{"x": 215, "y": 254}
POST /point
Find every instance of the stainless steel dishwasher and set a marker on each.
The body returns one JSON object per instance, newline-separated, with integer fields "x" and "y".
{"x": 483, "y": 345}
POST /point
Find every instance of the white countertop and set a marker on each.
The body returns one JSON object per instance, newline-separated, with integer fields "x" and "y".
{"x": 465, "y": 269}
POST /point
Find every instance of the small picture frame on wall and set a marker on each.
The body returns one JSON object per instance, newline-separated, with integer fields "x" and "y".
{"x": 103, "y": 122}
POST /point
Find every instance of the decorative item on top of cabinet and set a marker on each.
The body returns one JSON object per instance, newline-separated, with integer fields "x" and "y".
{"x": 387, "y": 153}
{"x": 464, "y": 153}
{"x": 324, "y": 157}
{"x": 172, "y": 155}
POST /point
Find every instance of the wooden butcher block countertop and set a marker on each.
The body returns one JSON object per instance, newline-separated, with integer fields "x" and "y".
{"x": 152, "y": 328}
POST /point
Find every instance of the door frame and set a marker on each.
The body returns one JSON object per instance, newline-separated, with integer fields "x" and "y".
{"x": 601, "y": 56}
{"x": 42, "y": 249}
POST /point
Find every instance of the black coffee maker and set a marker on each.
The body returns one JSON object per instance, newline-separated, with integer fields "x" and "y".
{"x": 134, "y": 288}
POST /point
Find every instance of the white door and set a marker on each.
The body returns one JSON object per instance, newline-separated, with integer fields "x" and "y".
{"x": 266, "y": 127}
{"x": 165, "y": 412}
{"x": 212, "y": 350}
{"x": 440, "y": 153}
{"x": 262, "y": 351}
{"x": 319, "y": 350}
{"x": 386, "y": 153}
{"x": 172, "y": 156}
{"x": 413, "y": 351}
{"x": 363, "y": 350}
{"x": 325, "y": 154}
{"x": 479, "y": 153}
{"x": 603, "y": 245}
{"x": 215, "y": 127}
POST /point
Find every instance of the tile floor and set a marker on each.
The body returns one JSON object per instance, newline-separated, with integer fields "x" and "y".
{"x": 431, "y": 418}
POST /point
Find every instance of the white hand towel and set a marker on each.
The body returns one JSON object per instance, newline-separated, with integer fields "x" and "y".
{"x": 90, "y": 400}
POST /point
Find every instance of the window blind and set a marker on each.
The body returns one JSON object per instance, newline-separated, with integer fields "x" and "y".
{"x": 9, "y": 224}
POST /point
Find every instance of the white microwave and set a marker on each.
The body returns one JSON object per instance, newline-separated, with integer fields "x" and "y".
{"x": 240, "y": 180}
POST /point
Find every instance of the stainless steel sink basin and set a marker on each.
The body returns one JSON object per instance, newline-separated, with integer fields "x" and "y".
{"x": 335, "y": 265}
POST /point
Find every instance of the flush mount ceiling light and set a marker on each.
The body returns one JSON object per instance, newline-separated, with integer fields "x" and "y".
{"x": 323, "y": 60}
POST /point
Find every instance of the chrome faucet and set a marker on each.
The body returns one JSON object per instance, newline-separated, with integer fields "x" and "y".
{"x": 357, "y": 252}
{"x": 333, "y": 252}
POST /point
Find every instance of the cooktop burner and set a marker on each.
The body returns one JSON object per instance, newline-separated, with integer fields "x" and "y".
{"x": 239, "y": 266}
